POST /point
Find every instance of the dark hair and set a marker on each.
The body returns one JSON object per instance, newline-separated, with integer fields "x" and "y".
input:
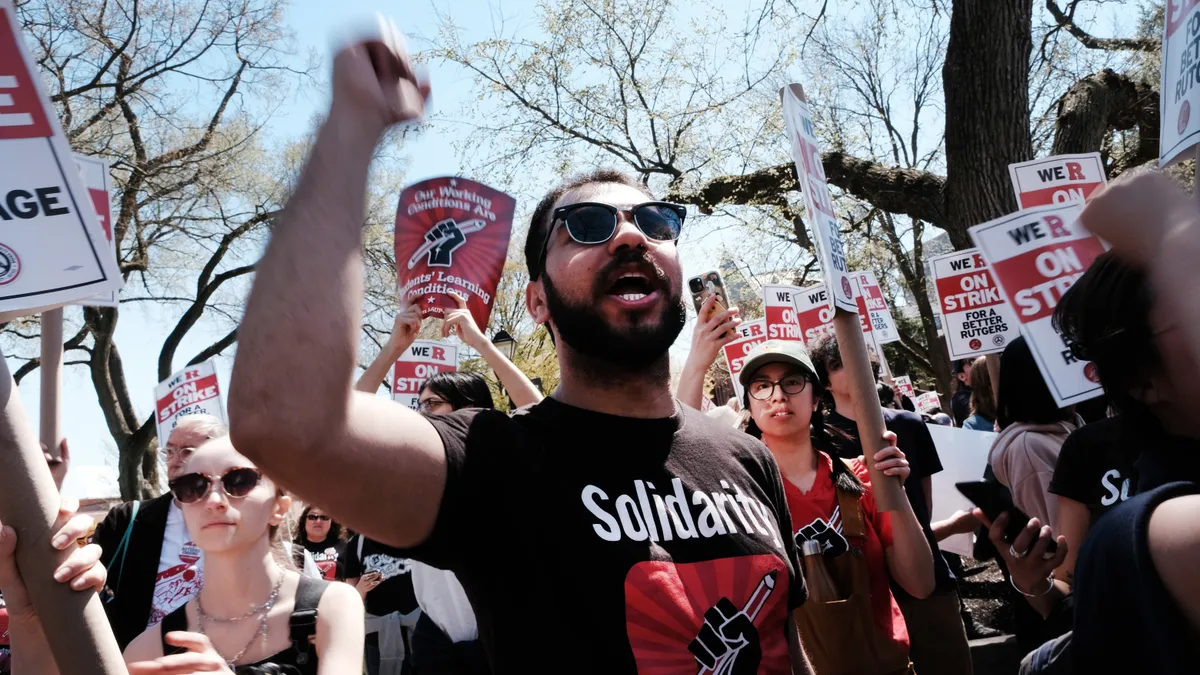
{"x": 822, "y": 435}
{"x": 336, "y": 533}
{"x": 1105, "y": 318}
{"x": 460, "y": 389}
{"x": 827, "y": 358}
{"x": 1024, "y": 396}
{"x": 983, "y": 399}
{"x": 539, "y": 223}
{"x": 960, "y": 366}
{"x": 887, "y": 396}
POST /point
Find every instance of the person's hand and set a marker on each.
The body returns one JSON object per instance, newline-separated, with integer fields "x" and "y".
{"x": 1135, "y": 215}
{"x": 890, "y": 460}
{"x": 459, "y": 321}
{"x": 367, "y": 583}
{"x": 200, "y": 657}
{"x": 1030, "y": 571}
{"x": 81, "y": 570}
{"x": 961, "y": 522}
{"x": 709, "y": 336}
{"x": 58, "y": 467}
{"x": 405, "y": 327}
{"x": 374, "y": 84}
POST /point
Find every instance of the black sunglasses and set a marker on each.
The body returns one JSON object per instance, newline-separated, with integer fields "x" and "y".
{"x": 313, "y": 516}
{"x": 592, "y": 223}
{"x": 236, "y": 483}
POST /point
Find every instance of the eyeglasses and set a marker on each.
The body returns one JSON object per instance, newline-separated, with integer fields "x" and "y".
{"x": 592, "y": 223}
{"x": 429, "y": 404}
{"x": 186, "y": 451}
{"x": 764, "y": 389}
{"x": 235, "y": 483}
{"x": 313, "y": 516}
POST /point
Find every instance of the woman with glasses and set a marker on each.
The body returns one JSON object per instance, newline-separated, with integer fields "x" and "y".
{"x": 324, "y": 539}
{"x": 837, "y": 525}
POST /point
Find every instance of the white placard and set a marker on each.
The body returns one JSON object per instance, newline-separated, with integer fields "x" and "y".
{"x": 1179, "y": 90}
{"x": 904, "y": 385}
{"x": 964, "y": 455}
{"x": 1057, "y": 180}
{"x": 872, "y": 306}
{"x": 192, "y": 391}
{"x": 755, "y": 328}
{"x": 780, "y": 312}
{"x": 421, "y": 361}
{"x": 735, "y": 356}
{"x": 976, "y": 320}
{"x": 52, "y": 249}
{"x": 95, "y": 175}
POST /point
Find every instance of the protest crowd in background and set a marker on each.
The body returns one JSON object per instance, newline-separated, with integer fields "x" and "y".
{"x": 625, "y": 524}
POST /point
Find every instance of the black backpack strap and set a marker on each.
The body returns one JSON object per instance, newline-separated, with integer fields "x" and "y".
{"x": 303, "y": 622}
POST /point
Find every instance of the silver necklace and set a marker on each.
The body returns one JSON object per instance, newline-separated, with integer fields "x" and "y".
{"x": 263, "y": 611}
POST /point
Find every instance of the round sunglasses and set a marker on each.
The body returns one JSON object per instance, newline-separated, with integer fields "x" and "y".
{"x": 235, "y": 483}
{"x": 591, "y": 223}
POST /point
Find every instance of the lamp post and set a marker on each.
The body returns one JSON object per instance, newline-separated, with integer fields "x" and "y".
{"x": 505, "y": 343}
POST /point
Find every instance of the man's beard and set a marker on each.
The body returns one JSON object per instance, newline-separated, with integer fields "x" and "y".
{"x": 586, "y": 331}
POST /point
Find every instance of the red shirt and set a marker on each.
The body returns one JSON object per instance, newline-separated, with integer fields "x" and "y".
{"x": 812, "y": 514}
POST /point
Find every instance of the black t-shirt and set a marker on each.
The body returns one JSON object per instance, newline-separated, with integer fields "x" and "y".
{"x": 395, "y": 592}
{"x": 328, "y": 557}
{"x": 1096, "y": 466}
{"x": 594, "y": 543}
{"x": 1125, "y": 621}
{"x": 960, "y": 405}
{"x": 913, "y": 439}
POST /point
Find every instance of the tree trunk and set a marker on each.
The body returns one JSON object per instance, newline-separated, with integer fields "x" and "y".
{"x": 986, "y": 84}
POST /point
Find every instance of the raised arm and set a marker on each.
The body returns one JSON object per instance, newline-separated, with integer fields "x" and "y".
{"x": 290, "y": 393}
{"x": 707, "y": 339}
{"x": 404, "y": 333}
{"x": 522, "y": 391}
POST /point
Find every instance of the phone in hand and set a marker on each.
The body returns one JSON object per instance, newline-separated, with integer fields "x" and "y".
{"x": 993, "y": 499}
{"x": 705, "y": 285}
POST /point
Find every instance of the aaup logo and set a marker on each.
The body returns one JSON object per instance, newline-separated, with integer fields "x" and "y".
{"x": 442, "y": 240}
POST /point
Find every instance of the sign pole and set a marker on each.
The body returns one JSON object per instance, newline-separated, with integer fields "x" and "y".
{"x": 889, "y": 492}
{"x": 76, "y": 628}
{"x": 1196, "y": 177}
{"x": 52, "y": 358}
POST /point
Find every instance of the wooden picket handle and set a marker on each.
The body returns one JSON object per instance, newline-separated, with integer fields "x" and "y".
{"x": 889, "y": 491}
{"x": 76, "y": 628}
{"x": 51, "y": 391}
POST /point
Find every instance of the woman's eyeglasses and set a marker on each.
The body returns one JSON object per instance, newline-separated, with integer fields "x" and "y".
{"x": 764, "y": 389}
{"x": 314, "y": 517}
{"x": 592, "y": 223}
{"x": 429, "y": 404}
{"x": 235, "y": 483}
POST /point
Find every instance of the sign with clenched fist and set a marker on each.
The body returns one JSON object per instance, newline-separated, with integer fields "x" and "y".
{"x": 452, "y": 237}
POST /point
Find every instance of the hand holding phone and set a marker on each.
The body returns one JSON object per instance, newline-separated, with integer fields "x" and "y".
{"x": 994, "y": 499}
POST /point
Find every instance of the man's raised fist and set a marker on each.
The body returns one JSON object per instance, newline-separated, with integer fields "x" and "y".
{"x": 727, "y": 635}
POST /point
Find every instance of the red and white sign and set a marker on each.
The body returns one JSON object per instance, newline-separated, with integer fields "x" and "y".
{"x": 52, "y": 249}
{"x": 1179, "y": 90}
{"x": 755, "y": 328}
{"x": 975, "y": 318}
{"x": 94, "y": 173}
{"x": 422, "y": 360}
{"x": 813, "y": 312}
{"x": 452, "y": 236}
{"x": 780, "y": 312}
{"x": 904, "y": 385}
{"x": 806, "y": 153}
{"x": 191, "y": 391}
{"x": 1036, "y": 256}
{"x": 735, "y": 357}
{"x": 1057, "y": 180}
{"x": 928, "y": 403}
{"x": 873, "y": 309}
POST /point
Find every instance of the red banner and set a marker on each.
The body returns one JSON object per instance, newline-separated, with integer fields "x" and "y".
{"x": 452, "y": 236}
{"x": 21, "y": 112}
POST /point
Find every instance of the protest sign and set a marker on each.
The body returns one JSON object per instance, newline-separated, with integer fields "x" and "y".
{"x": 802, "y": 139}
{"x": 964, "y": 457}
{"x": 52, "y": 249}
{"x": 1036, "y": 256}
{"x": 421, "y": 361}
{"x": 96, "y": 181}
{"x": 780, "y": 312}
{"x": 755, "y": 328}
{"x": 928, "y": 403}
{"x": 1057, "y": 180}
{"x": 191, "y": 391}
{"x": 813, "y": 312}
{"x": 975, "y": 318}
{"x": 735, "y": 356}
{"x": 873, "y": 308}
{"x": 452, "y": 236}
{"x": 1179, "y": 95}
{"x": 904, "y": 385}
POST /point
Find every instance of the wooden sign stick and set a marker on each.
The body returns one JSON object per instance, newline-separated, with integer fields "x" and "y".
{"x": 52, "y": 358}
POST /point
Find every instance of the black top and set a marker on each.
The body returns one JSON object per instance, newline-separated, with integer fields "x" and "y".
{"x": 1096, "y": 466}
{"x": 299, "y": 659}
{"x": 329, "y": 557}
{"x": 597, "y": 543}
{"x": 913, "y": 439}
{"x": 1125, "y": 621}
{"x": 129, "y": 590}
{"x": 960, "y": 405}
{"x": 395, "y": 593}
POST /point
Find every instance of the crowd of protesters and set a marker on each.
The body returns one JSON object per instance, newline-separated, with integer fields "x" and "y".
{"x": 613, "y": 527}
